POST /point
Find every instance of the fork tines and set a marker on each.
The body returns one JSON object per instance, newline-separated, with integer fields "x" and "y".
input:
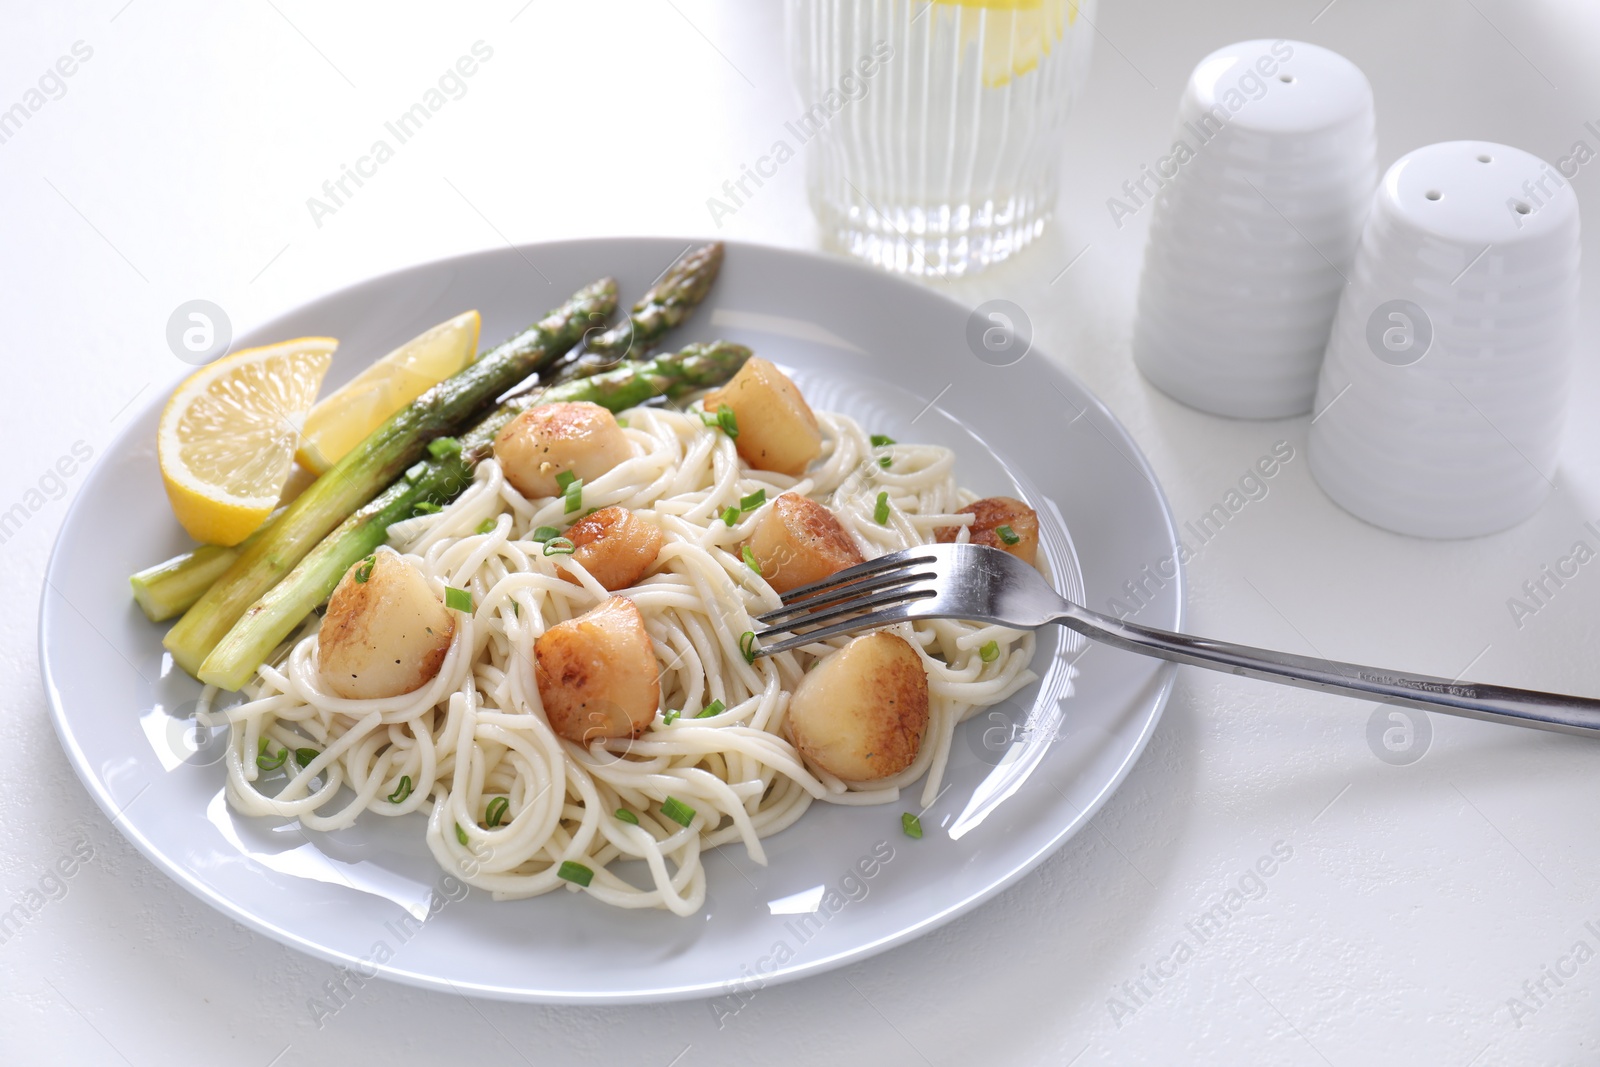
{"x": 884, "y": 586}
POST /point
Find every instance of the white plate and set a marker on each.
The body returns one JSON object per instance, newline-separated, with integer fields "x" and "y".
{"x": 877, "y": 347}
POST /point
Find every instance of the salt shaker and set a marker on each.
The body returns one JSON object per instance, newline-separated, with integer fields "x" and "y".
{"x": 1441, "y": 400}
{"x": 1257, "y": 212}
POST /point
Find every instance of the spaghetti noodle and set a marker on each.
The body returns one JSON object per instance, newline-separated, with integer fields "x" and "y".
{"x": 508, "y": 800}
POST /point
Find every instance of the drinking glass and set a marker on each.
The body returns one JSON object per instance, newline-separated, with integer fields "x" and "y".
{"x": 933, "y": 129}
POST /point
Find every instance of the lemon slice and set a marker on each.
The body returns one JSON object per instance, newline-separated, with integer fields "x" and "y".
{"x": 227, "y": 436}
{"x": 345, "y": 418}
{"x": 1018, "y": 34}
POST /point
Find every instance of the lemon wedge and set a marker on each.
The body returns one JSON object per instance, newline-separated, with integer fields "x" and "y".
{"x": 227, "y": 437}
{"x": 345, "y": 418}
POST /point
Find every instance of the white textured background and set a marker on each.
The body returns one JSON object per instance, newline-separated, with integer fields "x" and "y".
{"x": 1418, "y": 899}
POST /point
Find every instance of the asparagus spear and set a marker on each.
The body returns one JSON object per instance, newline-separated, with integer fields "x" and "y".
{"x": 375, "y": 463}
{"x": 168, "y": 588}
{"x": 665, "y": 304}
{"x": 235, "y": 659}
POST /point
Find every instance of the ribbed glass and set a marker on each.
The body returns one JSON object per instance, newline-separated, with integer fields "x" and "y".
{"x": 934, "y": 130}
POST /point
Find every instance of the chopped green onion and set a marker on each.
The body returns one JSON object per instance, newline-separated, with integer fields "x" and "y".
{"x": 495, "y": 813}
{"x": 559, "y": 546}
{"x": 753, "y": 501}
{"x": 730, "y": 516}
{"x": 624, "y": 815}
{"x": 881, "y": 440}
{"x": 724, "y": 418}
{"x": 750, "y": 559}
{"x": 440, "y": 447}
{"x": 416, "y": 470}
{"x": 516, "y": 609}
{"x": 564, "y": 479}
{"x": 461, "y": 835}
{"x": 885, "y": 462}
{"x": 364, "y": 568}
{"x": 544, "y": 533}
{"x": 747, "y": 645}
{"x": 266, "y": 763}
{"x": 1007, "y": 534}
{"x": 989, "y": 652}
{"x": 677, "y": 811}
{"x": 911, "y": 826}
{"x": 425, "y": 507}
{"x": 881, "y": 512}
{"x": 573, "y": 494}
{"x": 576, "y": 873}
{"x": 716, "y": 707}
{"x": 670, "y": 716}
{"x": 487, "y": 526}
{"x": 304, "y": 756}
{"x": 622, "y": 421}
{"x": 459, "y": 599}
{"x": 402, "y": 791}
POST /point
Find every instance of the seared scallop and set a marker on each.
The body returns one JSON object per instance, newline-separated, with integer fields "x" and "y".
{"x": 547, "y": 441}
{"x": 615, "y": 546}
{"x": 385, "y": 632}
{"x": 799, "y": 541}
{"x": 597, "y": 674}
{"x": 777, "y": 429}
{"x": 861, "y": 712}
{"x": 999, "y": 522}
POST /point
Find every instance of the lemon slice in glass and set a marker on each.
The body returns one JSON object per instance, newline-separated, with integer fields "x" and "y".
{"x": 227, "y": 437}
{"x": 345, "y": 418}
{"x": 1016, "y": 34}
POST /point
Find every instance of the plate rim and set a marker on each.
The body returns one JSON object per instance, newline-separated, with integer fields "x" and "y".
{"x": 1163, "y": 681}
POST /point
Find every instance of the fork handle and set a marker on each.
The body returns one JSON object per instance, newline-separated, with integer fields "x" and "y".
{"x": 1495, "y": 703}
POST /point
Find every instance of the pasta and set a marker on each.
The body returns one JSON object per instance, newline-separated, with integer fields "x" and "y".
{"x": 508, "y": 800}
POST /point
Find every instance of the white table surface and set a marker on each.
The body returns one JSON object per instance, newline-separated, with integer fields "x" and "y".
{"x": 1416, "y": 900}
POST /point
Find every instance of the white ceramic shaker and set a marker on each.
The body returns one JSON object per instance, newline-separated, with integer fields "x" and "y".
{"x": 1257, "y": 212}
{"x": 1441, "y": 401}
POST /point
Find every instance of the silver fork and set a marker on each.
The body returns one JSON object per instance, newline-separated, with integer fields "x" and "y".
{"x": 987, "y": 585}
